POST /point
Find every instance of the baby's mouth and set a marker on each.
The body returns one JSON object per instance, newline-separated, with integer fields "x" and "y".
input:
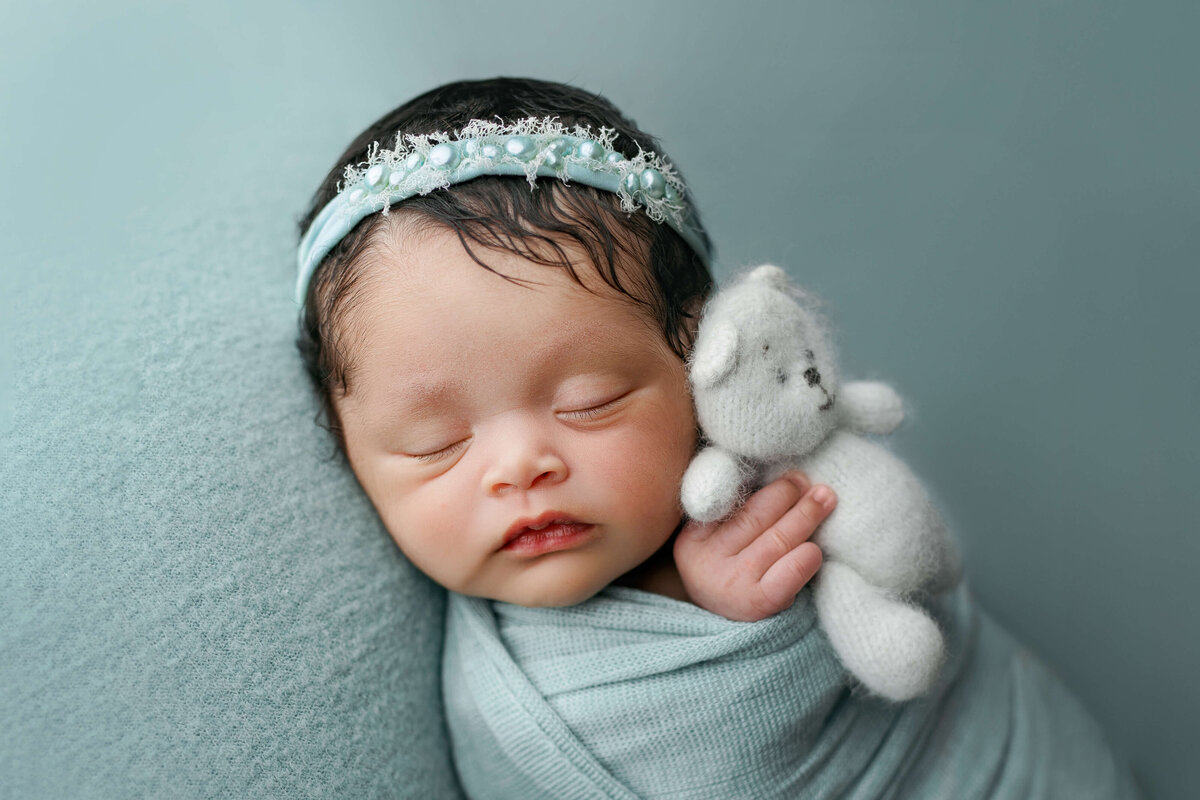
{"x": 549, "y": 531}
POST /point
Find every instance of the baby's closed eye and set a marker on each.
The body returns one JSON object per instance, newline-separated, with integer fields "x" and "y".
{"x": 430, "y": 456}
{"x": 595, "y": 409}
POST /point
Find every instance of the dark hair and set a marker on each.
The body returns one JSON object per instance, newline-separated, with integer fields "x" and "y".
{"x": 496, "y": 212}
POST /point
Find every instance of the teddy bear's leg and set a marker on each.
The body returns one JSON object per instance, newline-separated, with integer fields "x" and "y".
{"x": 711, "y": 485}
{"x": 895, "y": 649}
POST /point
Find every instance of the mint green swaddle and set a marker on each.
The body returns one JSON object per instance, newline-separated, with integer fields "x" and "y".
{"x": 635, "y": 695}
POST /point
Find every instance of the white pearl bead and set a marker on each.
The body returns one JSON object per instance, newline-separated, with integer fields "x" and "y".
{"x": 443, "y": 156}
{"x": 374, "y": 177}
{"x": 653, "y": 183}
{"x": 520, "y": 146}
{"x": 590, "y": 149}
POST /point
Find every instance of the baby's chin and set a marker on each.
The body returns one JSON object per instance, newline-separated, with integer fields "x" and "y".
{"x": 551, "y": 596}
{"x": 551, "y": 591}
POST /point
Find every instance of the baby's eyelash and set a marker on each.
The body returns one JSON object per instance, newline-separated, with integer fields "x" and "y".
{"x": 437, "y": 455}
{"x": 594, "y": 411}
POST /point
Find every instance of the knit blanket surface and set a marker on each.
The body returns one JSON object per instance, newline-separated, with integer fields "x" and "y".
{"x": 635, "y": 695}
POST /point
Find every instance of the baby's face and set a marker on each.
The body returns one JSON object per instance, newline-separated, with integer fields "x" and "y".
{"x": 481, "y": 411}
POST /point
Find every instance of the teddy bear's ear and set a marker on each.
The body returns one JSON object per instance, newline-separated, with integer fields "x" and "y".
{"x": 714, "y": 355}
{"x": 770, "y": 275}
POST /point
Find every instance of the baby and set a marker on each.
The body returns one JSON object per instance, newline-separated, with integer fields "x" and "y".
{"x": 554, "y": 470}
{"x": 501, "y": 282}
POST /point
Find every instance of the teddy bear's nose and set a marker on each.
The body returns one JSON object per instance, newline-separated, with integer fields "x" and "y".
{"x": 812, "y": 376}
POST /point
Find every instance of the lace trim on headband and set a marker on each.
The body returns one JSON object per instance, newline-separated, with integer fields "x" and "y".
{"x": 420, "y": 164}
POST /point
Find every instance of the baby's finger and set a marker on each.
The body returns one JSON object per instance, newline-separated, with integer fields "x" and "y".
{"x": 696, "y": 531}
{"x": 789, "y": 575}
{"x": 764, "y": 508}
{"x": 791, "y": 530}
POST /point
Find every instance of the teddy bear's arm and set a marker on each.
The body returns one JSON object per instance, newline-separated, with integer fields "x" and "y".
{"x": 870, "y": 407}
{"x": 711, "y": 485}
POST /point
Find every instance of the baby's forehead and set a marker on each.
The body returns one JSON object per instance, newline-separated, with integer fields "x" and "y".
{"x": 624, "y": 276}
{"x": 431, "y": 308}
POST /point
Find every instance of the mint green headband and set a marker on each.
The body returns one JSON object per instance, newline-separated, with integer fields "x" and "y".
{"x": 530, "y": 147}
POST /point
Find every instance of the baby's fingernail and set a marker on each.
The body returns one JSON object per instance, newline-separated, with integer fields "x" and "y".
{"x": 797, "y": 477}
{"x": 823, "y": 495}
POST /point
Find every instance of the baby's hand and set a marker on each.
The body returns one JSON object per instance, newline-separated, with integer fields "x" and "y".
{"x": 753, "y": 564}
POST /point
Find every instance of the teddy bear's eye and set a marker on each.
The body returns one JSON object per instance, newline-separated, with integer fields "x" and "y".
{"x": 766, "y": 347}
{"x": 781, "y": 376}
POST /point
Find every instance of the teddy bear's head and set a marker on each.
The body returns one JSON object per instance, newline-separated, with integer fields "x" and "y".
{"x": 762, "y": 369}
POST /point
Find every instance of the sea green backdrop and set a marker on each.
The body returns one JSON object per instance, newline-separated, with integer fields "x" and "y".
{"x": 1000, "y": 201}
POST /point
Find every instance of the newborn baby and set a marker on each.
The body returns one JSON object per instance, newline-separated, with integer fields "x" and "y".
{"x": 500, "y": 282}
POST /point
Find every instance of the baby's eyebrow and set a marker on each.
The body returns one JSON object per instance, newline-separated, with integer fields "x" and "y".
{"x": 586, "y": 338}
{"x": 416, "y": 396}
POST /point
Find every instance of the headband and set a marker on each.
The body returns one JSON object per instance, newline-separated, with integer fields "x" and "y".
{"x": 529, "y": 147}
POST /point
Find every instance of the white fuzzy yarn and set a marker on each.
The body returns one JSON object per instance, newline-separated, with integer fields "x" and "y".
{"x": 767, "y": 396}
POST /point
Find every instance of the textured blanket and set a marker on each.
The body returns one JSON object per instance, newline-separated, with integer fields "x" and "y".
{"x": 633, "y": 695}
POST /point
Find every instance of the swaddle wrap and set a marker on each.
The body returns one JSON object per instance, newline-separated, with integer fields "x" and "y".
{"x": 635, "y": 695}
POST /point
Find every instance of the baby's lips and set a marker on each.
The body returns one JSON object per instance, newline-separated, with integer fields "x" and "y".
{"x": 555, "y": 536}
{"x": 525, "y": 524}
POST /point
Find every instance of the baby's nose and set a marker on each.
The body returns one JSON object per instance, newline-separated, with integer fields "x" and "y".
{"x": 522, "y": 471}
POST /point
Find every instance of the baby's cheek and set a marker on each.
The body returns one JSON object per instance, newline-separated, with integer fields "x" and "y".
{"x": 421, "y": 523}
{"x": 674, "y": 436}
{"x": 654, "y": 458}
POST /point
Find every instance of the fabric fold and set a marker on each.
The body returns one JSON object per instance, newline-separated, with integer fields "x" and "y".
{"x": 632, "y": 694}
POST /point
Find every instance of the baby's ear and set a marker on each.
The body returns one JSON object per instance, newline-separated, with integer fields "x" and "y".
{"x": 714, "y": 356}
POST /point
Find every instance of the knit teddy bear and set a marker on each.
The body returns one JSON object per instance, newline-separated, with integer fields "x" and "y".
{"x": 767, "y": 398}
